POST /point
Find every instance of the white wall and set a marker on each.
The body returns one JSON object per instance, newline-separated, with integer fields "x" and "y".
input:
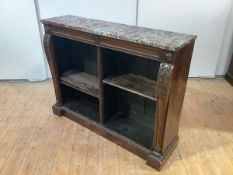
{"x": 21, "y": 55}
{"x": 115, "y": 10}
{"x": 205, "y": 18}
{"x": 227, "y": 46}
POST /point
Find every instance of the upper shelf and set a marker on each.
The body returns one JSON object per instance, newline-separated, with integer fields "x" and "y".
{"x": 165, "y": 40}
{"x": 134, "y": 83}
{"x": 82, "y": 81}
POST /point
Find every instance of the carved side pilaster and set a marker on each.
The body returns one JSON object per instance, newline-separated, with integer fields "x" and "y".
{"x": 164, "y": 80}
{"x": 49, "y": 51}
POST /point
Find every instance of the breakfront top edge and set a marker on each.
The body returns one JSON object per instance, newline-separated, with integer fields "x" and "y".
{"x": 165, "y": 40}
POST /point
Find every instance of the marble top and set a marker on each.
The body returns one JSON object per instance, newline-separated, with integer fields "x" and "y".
{"x": 156, "y": 38}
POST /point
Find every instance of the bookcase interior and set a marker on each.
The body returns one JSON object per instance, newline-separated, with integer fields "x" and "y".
{"x": 77, "y": 65}
{"x": 129, "y": 87}
{"x": 130, "y": 115}
{"x": 81, "y": 103}
{"x": 71, "y": 54}
{"x": 131, "y": 73}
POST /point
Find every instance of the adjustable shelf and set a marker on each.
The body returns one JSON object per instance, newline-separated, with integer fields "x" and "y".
{"x": 126, "y": 83}
{"x": 82, "y": 81}
{"x": 134, "y": 83}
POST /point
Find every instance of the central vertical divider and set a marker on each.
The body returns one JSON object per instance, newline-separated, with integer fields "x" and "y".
{"x": 101, "y": 86}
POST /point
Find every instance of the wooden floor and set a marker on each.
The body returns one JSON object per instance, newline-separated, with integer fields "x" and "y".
{"x": 34, "y": 141}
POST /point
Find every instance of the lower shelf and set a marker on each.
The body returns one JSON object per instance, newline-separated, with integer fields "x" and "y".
{"x": 84, "y": 106}
{"x": 154, "y": 160}
{"x": 132, "y": 127}
{"x": 130, "y": 115}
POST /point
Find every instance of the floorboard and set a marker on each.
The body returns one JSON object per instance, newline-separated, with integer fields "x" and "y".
{"x": 35, "y": 141}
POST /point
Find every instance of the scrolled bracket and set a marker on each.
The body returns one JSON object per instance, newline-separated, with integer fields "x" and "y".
{"x": 164, "y": 81}
{"x": 49, "y": 51}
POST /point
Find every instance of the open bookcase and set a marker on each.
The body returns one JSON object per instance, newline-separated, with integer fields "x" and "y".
{"x": 127, "y": 87}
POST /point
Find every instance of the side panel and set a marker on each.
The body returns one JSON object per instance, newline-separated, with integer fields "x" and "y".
{"x": 178, "y": 87}
{"x": 49, "y": 50}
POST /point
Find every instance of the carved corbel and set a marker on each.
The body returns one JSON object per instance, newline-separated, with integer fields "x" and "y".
{"x": 49, "y": 51}
{"x": 163, "y": 92}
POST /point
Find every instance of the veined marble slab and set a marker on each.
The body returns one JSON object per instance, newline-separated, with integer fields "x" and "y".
{"x": 167, "y": 40}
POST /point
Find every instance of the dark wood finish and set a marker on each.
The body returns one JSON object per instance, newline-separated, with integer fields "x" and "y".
{"x": 101, "y": 85}
{"x": 135, "y": 84}
{"x": 49, "y": 51}
{"x": 229, "y": 74}
{"x": 152, "y": 158}
{"x": 130, "y": 115}
{"x": 128, "y": 90}
{"x": 132, "y": 48}
{"x": 177, "y": 92}
{"x": 163, "y": 94}
{"x": 81, "y": 81}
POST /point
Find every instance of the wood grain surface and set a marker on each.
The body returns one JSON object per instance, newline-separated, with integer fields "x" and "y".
{"x": 134, "y": 83}
{"x": 35, "y": 141}
{"x": 82, "y": 81}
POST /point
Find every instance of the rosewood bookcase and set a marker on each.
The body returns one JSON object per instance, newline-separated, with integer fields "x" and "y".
{"x": 125, "y": 83}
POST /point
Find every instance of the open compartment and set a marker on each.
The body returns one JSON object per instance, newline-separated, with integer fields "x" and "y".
{"x": 77, "y": 65}
{"x": 130, "y": 115}
{"x": 81, "y": 103}
{"x": 131, "y": 73}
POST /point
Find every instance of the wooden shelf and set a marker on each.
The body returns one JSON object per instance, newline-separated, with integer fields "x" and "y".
{"x": 125, "y": 125}
{"x": 82, "y": 81}
{"x": 87, "y": 107}
{"x": 134, "y": 83}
